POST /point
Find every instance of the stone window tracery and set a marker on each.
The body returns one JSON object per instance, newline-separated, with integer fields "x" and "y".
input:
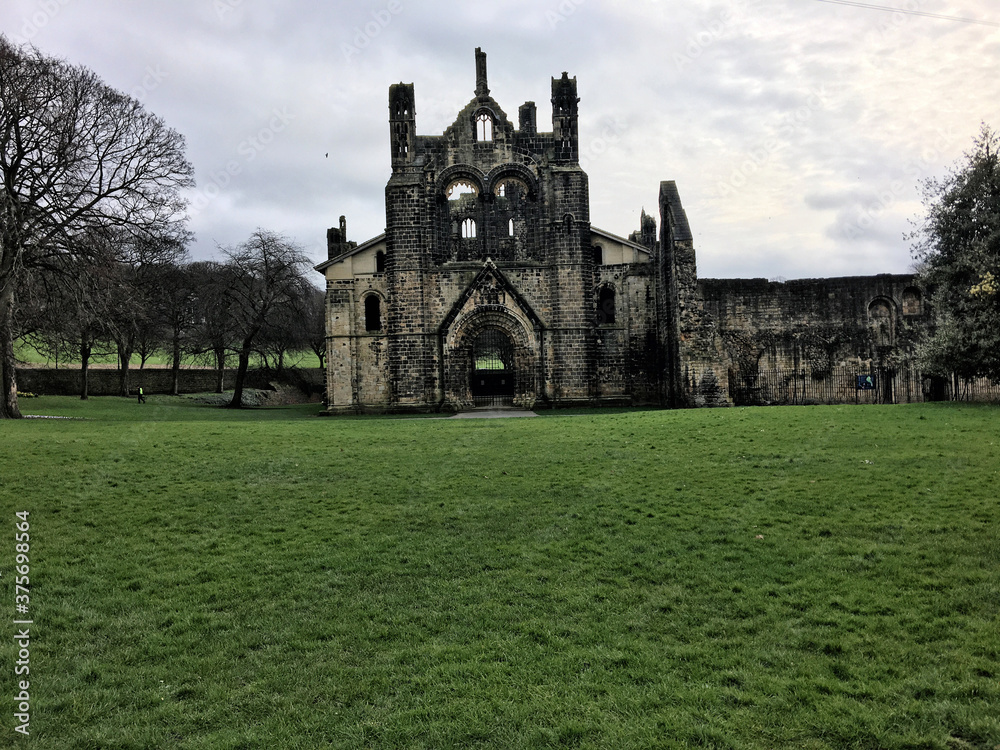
{"x": 484, "y": 127}
{"x": 459, "y": 189}
{"x": 468, "y": 229}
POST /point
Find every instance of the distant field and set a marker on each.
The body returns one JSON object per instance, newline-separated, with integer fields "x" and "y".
{"x": 31, "y": 356}
{"x": 811, "y": 577}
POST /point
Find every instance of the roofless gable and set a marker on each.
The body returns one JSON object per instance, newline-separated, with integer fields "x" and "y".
{"x": 482, "y": 122}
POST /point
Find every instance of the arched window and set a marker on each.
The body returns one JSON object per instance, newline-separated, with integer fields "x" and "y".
{"x": 510, "y": 227}
{"x": 911, "y": 301}
{"x": 484, "y": 127}
{"x": 598, "y": 255}
{"x": 380, "y": 262}
{"x": 459, "y": 189}
{"x": 468, "y": 229}
{"x": 511, "y": 187}
{"x": 605, "y": 306}
{"x": 373, "y": 313}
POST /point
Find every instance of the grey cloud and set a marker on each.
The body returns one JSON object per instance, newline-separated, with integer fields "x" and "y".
{"x": 891, "y": 88}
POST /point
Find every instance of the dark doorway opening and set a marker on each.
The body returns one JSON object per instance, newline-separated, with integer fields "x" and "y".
{"x": 493, "y": 369}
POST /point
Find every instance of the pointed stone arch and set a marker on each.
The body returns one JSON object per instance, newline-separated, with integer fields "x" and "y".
{"x": 522, "y": 361}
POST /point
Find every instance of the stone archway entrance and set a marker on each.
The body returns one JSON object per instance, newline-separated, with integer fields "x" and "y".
{"x": 493, "y": 376}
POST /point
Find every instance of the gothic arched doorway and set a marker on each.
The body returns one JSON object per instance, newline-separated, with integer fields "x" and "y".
{"x": 492, "y": 377}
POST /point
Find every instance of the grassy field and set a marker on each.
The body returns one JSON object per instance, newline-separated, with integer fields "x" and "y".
{"x": 32, "y": 357}
{"x": 816, "y": 577}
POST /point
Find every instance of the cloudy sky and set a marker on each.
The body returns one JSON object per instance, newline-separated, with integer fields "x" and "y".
{"x": 797, "y": 130}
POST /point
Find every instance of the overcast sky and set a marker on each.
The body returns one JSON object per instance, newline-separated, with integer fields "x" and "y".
{"x": 797, "y": 130}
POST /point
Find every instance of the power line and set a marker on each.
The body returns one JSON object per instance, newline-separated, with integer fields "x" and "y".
{"x": 909, "y": 12}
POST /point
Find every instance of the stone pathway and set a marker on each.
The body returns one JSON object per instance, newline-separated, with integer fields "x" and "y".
{"x": 493, "y": 414}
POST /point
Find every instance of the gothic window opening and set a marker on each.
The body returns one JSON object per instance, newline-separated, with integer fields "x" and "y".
{"x": 469, "y": 229}
{"x": 380, "y": 262}
{"x": 484, "y": 127}
{"x": 605, "y": 306}
{"x": 400, "y": 139}
{"x": 598, "y": 255}
{"x": 511, "y": 188}
{"x": 461, "y": 189}
{"x": 373, "y": 313}
{"x": 510, "y": 227}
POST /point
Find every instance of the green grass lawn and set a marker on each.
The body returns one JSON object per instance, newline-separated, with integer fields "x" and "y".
{"x": 815, "y": 577}
{"x": 31, "y": 356}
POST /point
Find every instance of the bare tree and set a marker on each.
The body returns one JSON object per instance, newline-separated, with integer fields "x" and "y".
{"x": 315, "y": 324}
{"x": 268, "y": 280}
{"x": 75, "y": 155}
{"x": 136, "y": 320}
{"x": 177, "y": 305}
{"x": 288, "y": 329}
{"x": 72, "y": 308}
{"x": 214, "y": 330}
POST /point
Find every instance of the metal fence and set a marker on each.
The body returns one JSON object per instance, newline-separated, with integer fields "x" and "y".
{"x": 863, "y": 385}
{"x": 978, "y": 389}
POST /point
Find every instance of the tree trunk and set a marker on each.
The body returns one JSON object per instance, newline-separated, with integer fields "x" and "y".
{"x": 124, "y": 359}
{"x": 320, "y": 353}
{"x": 85, "y": 350}
{"x": 241, "y": 373}
{"x": 175, "y": 367}
{"x": 220, "y": 370}
{"x": 8, "y": 372}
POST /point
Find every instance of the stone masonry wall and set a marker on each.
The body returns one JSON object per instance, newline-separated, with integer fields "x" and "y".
{"x": 814, "y": 324}
{"x": 105, "y": 382}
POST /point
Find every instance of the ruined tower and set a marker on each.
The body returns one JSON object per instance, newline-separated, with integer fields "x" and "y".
{"x": 489, "y": 286}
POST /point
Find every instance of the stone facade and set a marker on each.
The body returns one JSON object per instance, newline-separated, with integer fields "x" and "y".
{"x": 490, "y": 286}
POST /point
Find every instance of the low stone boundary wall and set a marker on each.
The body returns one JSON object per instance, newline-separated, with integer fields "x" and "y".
{"x": 104, "y": 381}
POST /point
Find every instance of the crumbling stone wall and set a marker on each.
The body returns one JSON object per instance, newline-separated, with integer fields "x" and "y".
{"x": 815, "y": 325}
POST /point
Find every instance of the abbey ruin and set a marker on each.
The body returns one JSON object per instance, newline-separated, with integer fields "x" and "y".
{"x": 491, "y": 287}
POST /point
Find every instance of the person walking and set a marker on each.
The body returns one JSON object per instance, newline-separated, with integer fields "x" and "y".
{"x": 142, "y": 398}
